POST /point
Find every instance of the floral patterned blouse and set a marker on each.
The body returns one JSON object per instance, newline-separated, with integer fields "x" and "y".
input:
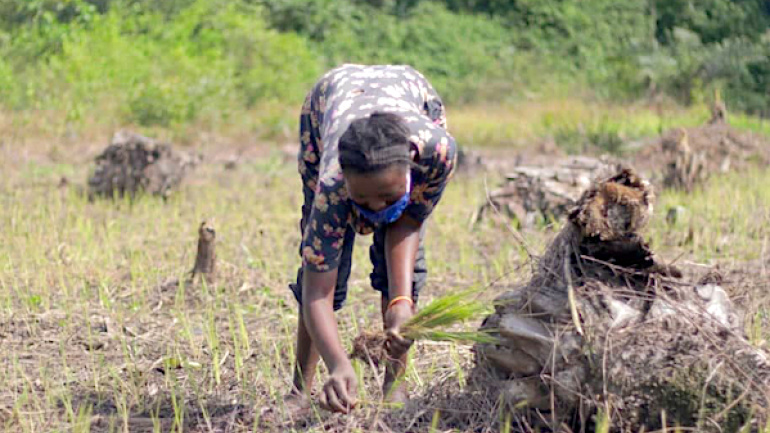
{"x": 351, "y": 92}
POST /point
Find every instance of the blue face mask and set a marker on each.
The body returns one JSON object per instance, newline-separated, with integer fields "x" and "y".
{"x": 390, "y": 213}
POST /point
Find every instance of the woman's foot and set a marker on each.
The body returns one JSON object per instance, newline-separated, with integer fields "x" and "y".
{"x": 295, "y": 406}
{"x": 395, "y": 392}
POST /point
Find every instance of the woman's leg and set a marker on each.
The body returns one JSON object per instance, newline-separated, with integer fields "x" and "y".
{"x": 394, "y": 369}
{"x": 308, "y": 161}
{"x": 307, "y": 360}
{"x": 307, "y": 354}
{"x": 392, "y": 390}
{"x": 297, "y": 401}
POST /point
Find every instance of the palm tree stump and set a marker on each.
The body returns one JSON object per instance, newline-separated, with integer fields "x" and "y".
{"x": 605, "y": 325}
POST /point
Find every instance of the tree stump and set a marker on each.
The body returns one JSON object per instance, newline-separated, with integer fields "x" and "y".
{"x": 530, "y": 193}
{"x": 684, "y": 158}
{"x": 686, "y": 169}
{"x": 133, "y": 163}
{"x": 718, "y": 113}
{"x": 603, "y": 324}
{"x": 206, "y": 256}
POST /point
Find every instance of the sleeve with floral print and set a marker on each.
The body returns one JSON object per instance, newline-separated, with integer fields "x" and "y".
{"x": 439, "y": 169}
{"x": 325, "y": 230}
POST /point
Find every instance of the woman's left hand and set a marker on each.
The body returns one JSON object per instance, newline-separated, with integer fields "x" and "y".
{"x": 396, "y": 344}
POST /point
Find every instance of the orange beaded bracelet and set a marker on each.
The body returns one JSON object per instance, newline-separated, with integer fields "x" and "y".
{"x": 400, "y": 298}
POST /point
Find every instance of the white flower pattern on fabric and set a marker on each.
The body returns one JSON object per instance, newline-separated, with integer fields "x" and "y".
{"x": 348, "y": 93}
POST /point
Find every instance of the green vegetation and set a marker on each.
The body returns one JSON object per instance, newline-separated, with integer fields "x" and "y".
{"x": 434, "y": 319}
{"x": 210, "y": 62}
{"x": 96, "y": 331}
{"x": 137, "y": 64}
{"x": 706, "y": 229}
{"x": 101, "y": 331}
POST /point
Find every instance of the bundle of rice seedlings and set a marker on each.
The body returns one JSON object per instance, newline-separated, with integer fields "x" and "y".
{"x": 431, "y": 323}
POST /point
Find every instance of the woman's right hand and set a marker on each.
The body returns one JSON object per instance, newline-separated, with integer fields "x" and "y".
{"x": 339, "y": 392}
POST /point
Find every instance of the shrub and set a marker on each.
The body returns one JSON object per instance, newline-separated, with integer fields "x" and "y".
{"x": 212, "y": 58}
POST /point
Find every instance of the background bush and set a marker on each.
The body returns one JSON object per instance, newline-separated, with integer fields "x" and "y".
{"x": 178, "y": 62}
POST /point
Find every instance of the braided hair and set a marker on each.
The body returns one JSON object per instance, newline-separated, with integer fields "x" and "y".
{"x": 374, "y": 143}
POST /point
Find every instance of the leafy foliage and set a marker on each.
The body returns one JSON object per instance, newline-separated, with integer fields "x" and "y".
{"x": 180, "y": 61}
{"x": 212, "y": 58}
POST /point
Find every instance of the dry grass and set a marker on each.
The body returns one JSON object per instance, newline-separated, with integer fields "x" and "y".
{"x": 96, "y": 329}
{"x": 99, "y": 335}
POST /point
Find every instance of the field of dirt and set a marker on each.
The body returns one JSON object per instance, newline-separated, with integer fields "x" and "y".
{"x": 103, "y": 329}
